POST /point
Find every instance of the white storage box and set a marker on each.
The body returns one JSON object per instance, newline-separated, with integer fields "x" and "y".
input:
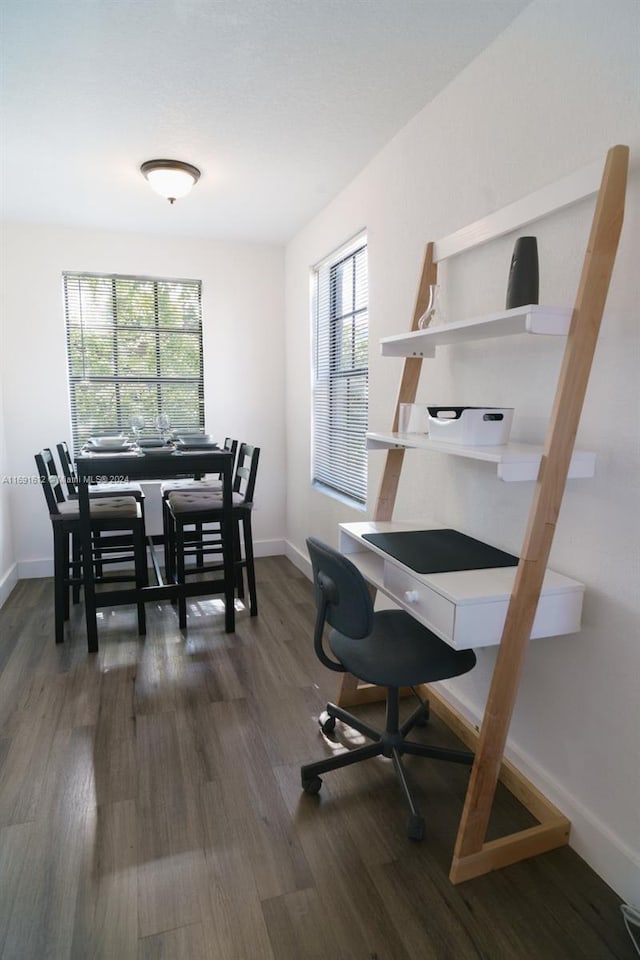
{"x": 470, "y": 426}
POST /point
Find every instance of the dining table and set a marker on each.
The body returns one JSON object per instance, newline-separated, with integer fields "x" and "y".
{"x": 135, "y": 465}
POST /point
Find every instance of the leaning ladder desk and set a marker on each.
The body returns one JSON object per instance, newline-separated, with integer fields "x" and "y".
{"x": 473, "y": 855}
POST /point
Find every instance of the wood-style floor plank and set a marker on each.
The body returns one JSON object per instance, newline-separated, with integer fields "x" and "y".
{"x": 170, "y": 854}
{"x": 42, "y": 920}
{"x": 185, "y": 943}
{"x": 234, "y": 926}
{"x": 298, "y": 927}
{"x": 14, "y": 843}
{"x": 346, "y": 888}
{"x": 151, "y": 809}
{"x": 106, "y": 918}
{"x": 248, "y": 795}
{"x": 27, "y": 758}
{"x": 115, "y": 761}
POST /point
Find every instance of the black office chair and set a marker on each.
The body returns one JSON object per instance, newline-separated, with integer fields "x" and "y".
{"x": 187, "y": 516}
{"x": 388, "y": 648}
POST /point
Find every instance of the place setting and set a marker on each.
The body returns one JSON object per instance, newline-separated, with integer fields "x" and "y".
{"x": 109, "y": 445}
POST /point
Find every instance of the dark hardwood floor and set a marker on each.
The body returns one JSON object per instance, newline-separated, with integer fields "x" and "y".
{"x": 150, "y": 807}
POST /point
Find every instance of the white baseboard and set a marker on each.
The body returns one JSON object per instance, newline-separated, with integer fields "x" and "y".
{"x": 269, "y": 548}
{"x": 43, "y": 567}
{"x": 8, "y": 582}
{"x": 593, "y": 840}
{"x": 298, "y": 559}
{"x": 32, "y": 569}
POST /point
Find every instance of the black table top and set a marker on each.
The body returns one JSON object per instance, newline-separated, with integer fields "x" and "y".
{"x": 155, "y": 466}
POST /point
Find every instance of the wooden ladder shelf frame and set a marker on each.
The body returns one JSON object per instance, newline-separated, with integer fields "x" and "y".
{"x": 473, "y": 856}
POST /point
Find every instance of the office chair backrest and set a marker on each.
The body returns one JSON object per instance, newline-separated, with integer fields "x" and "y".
{"x": 244, "y": 480}
{"x": 49, "y": 480}
{"x": 342, "y": 596}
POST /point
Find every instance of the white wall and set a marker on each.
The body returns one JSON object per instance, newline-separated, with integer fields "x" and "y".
{"x": 8, "y": 566}
{"x": 549, "y": 96}
{"x": 242, "y": 291}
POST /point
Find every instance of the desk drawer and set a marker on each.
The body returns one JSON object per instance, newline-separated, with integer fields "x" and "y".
{"x": 423, "y": 603}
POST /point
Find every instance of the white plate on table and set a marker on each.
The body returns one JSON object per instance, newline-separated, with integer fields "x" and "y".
{"x": 151, "y": 444}
{"x": 108, "y": 440}
{"x": 157, "y": 451}
{"x": 193, "y": 443}
{"x": 114, "y": 446}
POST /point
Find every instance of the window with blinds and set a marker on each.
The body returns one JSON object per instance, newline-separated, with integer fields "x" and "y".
{"x": 134, "y": 347}
{"x": 340, "y": 371}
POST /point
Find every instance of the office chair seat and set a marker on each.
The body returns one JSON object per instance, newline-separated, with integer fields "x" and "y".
{"x": 399, "y": 652}
{"x": 387, "y": 648}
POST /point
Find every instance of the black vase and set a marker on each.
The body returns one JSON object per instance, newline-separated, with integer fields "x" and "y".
{"x": 523, "y": 275}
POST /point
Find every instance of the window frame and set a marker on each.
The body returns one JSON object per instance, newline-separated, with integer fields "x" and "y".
{"x": 329, "y": 320}
{"x": 157, "y": 329}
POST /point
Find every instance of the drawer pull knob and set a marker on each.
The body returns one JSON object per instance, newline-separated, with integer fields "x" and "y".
{"x": 411, "y": 596}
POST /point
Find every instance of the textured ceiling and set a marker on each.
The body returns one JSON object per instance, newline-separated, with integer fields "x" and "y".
{"x": 279, "y": 102}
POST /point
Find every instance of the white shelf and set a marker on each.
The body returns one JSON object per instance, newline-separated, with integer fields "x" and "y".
{"x": 514, "y": 461}
{"x": 548, "y": 321}
{"x": 466, "y": 608}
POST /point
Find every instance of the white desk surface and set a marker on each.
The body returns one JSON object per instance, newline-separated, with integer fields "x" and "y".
{"x": 466, "y": 608}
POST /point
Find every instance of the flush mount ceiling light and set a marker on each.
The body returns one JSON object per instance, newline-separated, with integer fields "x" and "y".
{"x": 170, "y": 178}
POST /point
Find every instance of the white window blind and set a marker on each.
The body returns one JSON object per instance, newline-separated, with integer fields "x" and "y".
{"x": 134, "y": 347}
{"x": 340, "y": 371}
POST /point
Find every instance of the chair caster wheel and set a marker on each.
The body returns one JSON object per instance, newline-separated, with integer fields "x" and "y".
{"x": 415, "y": 828}
{"x": 312, "y": 785}
{"x": 328, "y": 725}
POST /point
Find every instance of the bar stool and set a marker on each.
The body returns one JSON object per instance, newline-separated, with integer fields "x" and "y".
{"x": 189, "y": 485}
{"x": 188, "y": 509}
{"x": 120, "y": 517}
{"x": 97, "y": 491}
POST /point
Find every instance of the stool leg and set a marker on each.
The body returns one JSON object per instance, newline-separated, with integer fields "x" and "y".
{"x": 237, "y": 555}
{"x": 60, "y": 574}
{"x": 66, "y": 572}
{"x": 199, "y": 552}
{"x": 170, "y": 553}
{"x": 166, "y": 520}
{"x": 248, "y": 556}
{"x": 142, "y": 573}
{"x": 76, "y": 566}
{"x": 96, "y": 552}
{"x": 180, "y": 574}
{"x": 143, "y": 547}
